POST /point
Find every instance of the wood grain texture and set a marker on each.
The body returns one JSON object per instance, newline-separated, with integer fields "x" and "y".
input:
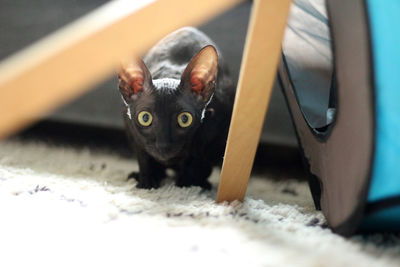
{"x": 257, "y": 74}
{"x": 65, "y": 64}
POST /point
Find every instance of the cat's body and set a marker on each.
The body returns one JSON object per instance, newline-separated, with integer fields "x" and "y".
{"x": 177, "y": 110}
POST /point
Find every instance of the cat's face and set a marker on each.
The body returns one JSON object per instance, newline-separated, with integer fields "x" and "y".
{"x": 165, "y": 114}
{"x": 165, "y": 122}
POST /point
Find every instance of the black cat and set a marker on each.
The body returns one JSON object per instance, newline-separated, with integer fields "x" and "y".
{"x": 178, "y": 104}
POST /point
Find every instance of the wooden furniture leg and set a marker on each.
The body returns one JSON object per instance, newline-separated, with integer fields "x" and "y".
{"x": 63, "y": 65}
{"x": 257, "y": 74}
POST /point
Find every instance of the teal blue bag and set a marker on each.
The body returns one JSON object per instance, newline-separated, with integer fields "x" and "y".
{"x": 347, "y": 115}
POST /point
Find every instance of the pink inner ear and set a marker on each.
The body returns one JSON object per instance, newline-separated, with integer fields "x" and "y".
{"x": 196, "y": 84}
{"x": 137, "y": 84}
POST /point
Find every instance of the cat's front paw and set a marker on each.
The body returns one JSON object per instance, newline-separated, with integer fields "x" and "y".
{"x": 143, "y": 183}
{"x": 147, "y": 183}
{"x": 206, "y": 185}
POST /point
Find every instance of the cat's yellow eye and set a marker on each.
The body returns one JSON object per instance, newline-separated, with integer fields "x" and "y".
{"x": 145, "y": 118}
{"x": 185, "y": 119}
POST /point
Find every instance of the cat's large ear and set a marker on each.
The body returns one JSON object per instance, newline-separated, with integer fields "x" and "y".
{"x": 133, "y": 78}
{"x": 201, "y": 73}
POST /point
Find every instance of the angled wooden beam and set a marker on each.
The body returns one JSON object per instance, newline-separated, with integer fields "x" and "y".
{"x": 66, "y": 63}
{"x": 257, "y": 75}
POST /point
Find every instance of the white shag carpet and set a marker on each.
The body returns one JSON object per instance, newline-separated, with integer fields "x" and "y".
{"x": 62, "y": 206}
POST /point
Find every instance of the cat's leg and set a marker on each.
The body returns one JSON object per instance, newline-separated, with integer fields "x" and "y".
{"x": 194, "y": 172}
{"x": 150, "y": 172}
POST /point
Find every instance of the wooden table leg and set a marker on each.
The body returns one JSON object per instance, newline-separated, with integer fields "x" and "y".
{"x": 257, "y": 74}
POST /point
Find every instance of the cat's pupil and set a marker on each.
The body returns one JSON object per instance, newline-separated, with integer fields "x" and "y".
{"x": 184, "y": 118}
{"x": 145, "y": 117}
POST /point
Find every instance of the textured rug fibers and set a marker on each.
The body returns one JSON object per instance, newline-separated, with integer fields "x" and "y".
{"x": 64, "y": 206}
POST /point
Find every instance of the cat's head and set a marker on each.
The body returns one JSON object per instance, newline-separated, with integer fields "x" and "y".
{"x": 165, "y": 113}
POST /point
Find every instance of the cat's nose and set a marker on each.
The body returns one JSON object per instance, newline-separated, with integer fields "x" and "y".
{"x": 166, "y": 151}
{"x": 164, "y": 147}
